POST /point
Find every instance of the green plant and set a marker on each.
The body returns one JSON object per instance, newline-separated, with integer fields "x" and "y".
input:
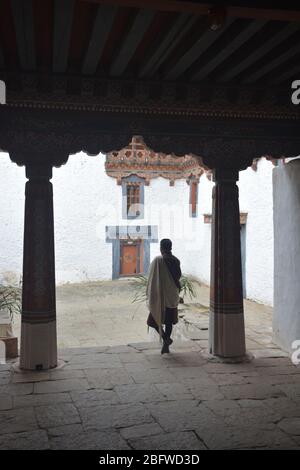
{"x": 187, "y": 287}
{"x": 140, "y": 285}
{"x": 11, "y": 299}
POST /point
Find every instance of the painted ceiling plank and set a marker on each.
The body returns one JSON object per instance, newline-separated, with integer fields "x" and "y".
{"x": 140, "y": 25}
{"x": 232, "y": 47}
{"x": 260, "y": 52}
{"x": 290, "y": 73}
{"x": 270, "y": 65}
{"x": 180, "y": 27}
{"x": 63, "y": 18}
{"x": 197, "y": 49}
{"x": 102, "y": 27}
{"x": 199, "y": 8}
{"x": 23, "y": 21}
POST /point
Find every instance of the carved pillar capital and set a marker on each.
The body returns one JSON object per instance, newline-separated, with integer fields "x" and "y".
{"x": 39, "y": 162}
{"x": 35, "y": 171}
{"x": 225, "y": 175}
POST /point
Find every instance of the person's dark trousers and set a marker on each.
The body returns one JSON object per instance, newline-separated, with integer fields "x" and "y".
{"x": 166, "y": 334}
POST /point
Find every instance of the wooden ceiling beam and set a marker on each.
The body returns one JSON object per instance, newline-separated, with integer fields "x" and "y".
{"x": 101, "y": 29}
{"x": 140, "y": 25}
{"x": 265, "y": 14}
{"x": 247, "y": 33}
{"x": 260, "y": 52}
{"x": 63, "y": 19}
{"x": 197, "y": 49}
{"x": 288, "y": 74}
{"x": 168, "y": 44}
{"x": 23, "y": 21}
{"x": 271, "y": 65}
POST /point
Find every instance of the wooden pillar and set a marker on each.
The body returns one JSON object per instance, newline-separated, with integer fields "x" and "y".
{"x": 227, "y": 330}
{"x": 38, "y": 329}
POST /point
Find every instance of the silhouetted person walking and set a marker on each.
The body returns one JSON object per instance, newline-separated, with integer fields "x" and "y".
{"x": 163, "y": 293}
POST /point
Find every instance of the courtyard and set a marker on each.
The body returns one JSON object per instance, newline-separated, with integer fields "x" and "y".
{"x": 114, "y": 390}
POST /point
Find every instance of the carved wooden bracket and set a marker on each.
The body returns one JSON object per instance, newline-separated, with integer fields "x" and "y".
{"x": 50, "y": 136}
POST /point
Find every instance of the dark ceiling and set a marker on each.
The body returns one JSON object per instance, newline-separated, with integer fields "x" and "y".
{"x": 155, "y": 41}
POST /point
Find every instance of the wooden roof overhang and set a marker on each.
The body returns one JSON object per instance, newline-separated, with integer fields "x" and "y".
{"x": 90, "y": 74}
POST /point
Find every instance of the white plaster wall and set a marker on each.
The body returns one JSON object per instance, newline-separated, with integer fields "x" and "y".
{"x": 286, "y": 315}
{"x": 168, "y": 207}
{"x": 255, "y": 192}
{"x": 255, "y": 195}
{"x": 85, "y": 201}
{"x": 197, "y": 252}
{"x": 12, "y": 187}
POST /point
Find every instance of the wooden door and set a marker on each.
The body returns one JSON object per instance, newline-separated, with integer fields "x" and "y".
{"x": 128, "y": 259}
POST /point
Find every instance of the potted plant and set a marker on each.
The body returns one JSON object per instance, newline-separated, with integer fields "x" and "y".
{"x": 10, "y": 305}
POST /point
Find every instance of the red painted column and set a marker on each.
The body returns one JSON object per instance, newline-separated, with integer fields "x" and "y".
{"x": 227, "y": 330}
{"x": 38, "y": 329}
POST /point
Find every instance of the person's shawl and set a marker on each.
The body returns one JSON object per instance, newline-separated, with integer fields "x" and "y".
{"x": 173, "y": 265}
{"x": 162, "y": 291}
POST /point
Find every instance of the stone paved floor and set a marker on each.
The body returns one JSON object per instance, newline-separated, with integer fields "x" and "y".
{"x": 125, "y": 395}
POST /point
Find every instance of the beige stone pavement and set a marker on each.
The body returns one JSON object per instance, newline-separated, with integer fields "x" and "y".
{"x": 116, "y": 391}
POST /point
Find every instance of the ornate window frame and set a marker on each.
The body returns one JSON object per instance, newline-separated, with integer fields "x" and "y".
{"x": 135, "y": 212}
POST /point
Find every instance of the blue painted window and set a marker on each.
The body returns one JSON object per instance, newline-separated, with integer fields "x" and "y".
{"x": 133, "y": 197}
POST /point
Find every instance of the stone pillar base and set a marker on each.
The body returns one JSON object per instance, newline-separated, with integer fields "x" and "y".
{"x": 11, "y": 346}
{"x": 227, "y": 334}
{"x": 16, "y": 369}
{"x": 38, "y": 346}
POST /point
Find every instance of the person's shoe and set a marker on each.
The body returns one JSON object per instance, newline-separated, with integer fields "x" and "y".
{"x": 165, "y": 348}
{"x": 168, "y": 341}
